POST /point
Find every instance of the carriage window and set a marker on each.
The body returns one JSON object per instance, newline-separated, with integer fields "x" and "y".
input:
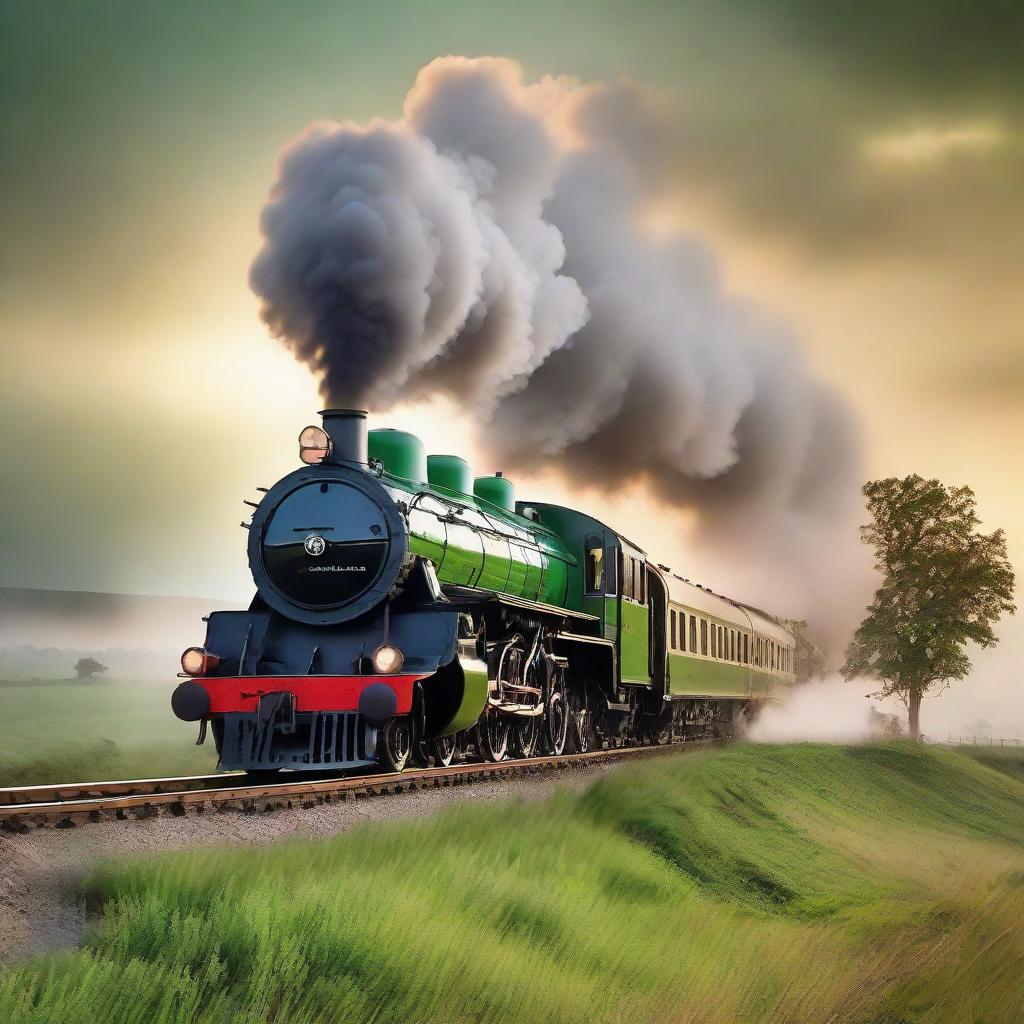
{"x": 627, "y": 576}
{"x": 595, "y": 566}
{"x": 672, "y": 623}
{"x": 714, "y": 640}
{"x": 703, "y": 636}
{"x": 746, "y": 649}
{"x": 693, "y": 634}
{"x": 682, "y": 631}
{"x": 642, "y": 589}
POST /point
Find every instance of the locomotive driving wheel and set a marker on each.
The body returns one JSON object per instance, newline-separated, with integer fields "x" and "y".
{"x": 580, "y": 737}
{"x": 525, "y": 734}
{"x": 443, "y": 750}
{"x": 395, "y": 744}
{"x": 556, "y": 720}
{"x": 492, "y": 735}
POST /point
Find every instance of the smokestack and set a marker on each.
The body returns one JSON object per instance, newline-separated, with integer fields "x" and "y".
{"x": 347, "y": 430}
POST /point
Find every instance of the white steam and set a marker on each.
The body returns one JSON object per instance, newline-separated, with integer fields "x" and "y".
{"x": 830, "y": 710}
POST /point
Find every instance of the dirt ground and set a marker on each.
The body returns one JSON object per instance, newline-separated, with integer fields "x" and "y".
{"x": 40, "y": 910}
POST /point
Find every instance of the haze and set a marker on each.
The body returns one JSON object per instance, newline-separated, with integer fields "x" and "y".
{"x": 860, "y": 175}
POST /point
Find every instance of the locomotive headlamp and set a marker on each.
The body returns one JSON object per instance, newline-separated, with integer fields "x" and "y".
{"x": 388, "y": 659}
{"x": 314, "y": 445}
{"x": 196, "y": 661}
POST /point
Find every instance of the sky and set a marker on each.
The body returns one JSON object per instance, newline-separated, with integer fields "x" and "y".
{"x": 859, "y": 172}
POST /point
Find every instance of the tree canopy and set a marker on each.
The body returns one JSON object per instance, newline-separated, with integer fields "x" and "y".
{"x": 87, "y": 668}
{"x": 944, "y": 583}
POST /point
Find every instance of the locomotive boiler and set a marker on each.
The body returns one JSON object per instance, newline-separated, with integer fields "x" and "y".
{"x": 407, "y": 612}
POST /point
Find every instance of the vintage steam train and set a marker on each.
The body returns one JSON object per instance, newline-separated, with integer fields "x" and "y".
{"x": 406, "y": 613}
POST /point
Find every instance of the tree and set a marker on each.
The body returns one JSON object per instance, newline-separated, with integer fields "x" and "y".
{"x": 943, "y": 583}
{"x": 809, "y": 661}
{"x": 89, "y": 668}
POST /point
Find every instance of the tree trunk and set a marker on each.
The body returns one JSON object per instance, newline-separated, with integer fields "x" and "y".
{"x": 914, "y": 709}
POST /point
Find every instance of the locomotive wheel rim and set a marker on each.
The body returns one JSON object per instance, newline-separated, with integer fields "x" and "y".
{"x": 494, "y": 732}
{"x": 443, "y": 750}
{"x": 582, "y": 725}
{"x": 397, "y": 743}
{"x": 526, "y": 733}
{"x": 558, "y": 723}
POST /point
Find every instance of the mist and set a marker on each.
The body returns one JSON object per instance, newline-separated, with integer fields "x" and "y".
{"x": 494, "y": 247}
{"x": 988, "y": 704}
{"x": 828, "y": 710}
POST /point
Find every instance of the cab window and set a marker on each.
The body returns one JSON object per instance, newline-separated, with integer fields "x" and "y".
{"x": 594, "y": 566}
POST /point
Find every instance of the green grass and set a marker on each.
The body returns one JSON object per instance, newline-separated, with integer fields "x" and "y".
{"x": 90, "y": 731}
{"x": 1007, "y": 759}
{"x": 869, "y": 885}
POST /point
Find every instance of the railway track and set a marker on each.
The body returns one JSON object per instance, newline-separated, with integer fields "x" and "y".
{"x": 67, "y": 805}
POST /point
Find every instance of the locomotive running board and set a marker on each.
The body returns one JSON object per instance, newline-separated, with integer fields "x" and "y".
{"x": 469, "y": 596}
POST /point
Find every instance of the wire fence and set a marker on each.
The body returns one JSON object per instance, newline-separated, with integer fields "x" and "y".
{"x": 982, "y": 741}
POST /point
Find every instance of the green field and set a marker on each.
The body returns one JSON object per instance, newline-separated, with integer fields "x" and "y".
{"x": 871, "y": 885}
{"x": 73, "y": 731}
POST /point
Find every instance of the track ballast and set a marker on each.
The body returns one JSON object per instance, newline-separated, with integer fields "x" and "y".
{"x": 67, "y": 805}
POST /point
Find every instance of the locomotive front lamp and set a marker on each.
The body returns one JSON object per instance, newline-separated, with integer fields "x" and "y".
{"x": 196, "y": 661}
{"x": 314, "y": 445}
{"x": 388, "y": 659}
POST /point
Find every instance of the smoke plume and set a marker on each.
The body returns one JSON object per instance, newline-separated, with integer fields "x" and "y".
{"x": 491, "y": 246}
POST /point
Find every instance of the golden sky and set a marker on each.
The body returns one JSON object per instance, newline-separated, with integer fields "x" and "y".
{"x": 865, "y": 182}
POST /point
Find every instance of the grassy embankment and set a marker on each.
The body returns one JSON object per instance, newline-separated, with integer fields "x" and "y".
{"x": 871, "y": 885}
{"x": 74, "y": 731}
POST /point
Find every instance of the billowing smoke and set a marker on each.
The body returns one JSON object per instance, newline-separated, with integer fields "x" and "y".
{"x": 494, "y": 246}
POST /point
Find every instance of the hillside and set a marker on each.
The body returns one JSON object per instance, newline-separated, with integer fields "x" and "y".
{"x": 870, "y": 885}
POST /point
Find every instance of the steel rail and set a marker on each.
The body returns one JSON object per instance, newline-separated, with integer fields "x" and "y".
{"x": 80, "y": 790}
{"x": 121, "y": 803}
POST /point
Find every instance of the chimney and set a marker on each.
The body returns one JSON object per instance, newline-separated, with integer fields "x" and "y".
{"x": 347, "y": 430}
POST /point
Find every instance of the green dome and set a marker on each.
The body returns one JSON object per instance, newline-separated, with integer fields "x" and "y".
{"x": 401, "y": 454}
{"x": 450, "y": 472}
{"x": 496, "y": 490}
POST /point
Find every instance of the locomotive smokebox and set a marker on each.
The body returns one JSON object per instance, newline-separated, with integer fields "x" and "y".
{"x": 347, "y": 430}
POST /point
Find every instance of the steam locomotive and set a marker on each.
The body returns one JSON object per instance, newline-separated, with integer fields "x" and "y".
{"x": 407, "y": 613}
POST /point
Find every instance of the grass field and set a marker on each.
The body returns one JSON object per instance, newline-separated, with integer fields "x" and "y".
{"x": 872, "y": 885}
{"x": 89, "y": 731}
